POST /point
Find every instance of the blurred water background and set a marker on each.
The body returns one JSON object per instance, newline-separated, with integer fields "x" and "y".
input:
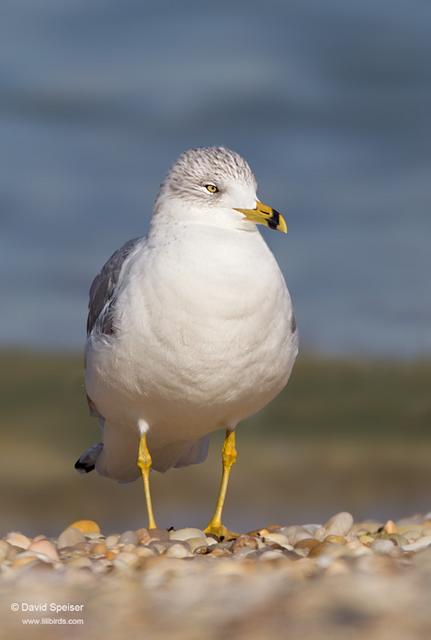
{"x": 331, "y": 104}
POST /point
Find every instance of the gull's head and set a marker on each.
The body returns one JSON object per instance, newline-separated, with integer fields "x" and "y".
{"x": 214, "y": 186}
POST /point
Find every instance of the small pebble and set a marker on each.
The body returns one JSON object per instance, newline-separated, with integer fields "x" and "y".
{"x": 307, "y": 543}
{"x": 335, "y": 539}
{"x": 82, "y": 547}
{"x": 278, "y": 538}
{"x": 186, "y": 534}
{"x": 131, "y": 548}
{"x": 326, "y": 549}
{"x": 26, "y": 560}
{"x": 145, "y": 552}
{"x": 178, "y": 551}
{"x": 158, "y": 546}
{"x": 320, "y": 533}
{"x": 46, "y": 548}
{"x": 274, "y": 528}
{"x": 244, "y": 541}
{"x": 356, "y": 548}
{"x": 242, "y": 552}
{"x": 86, "y": 526}
{"x": 220, "y": 552}
{"x": 129, "y": 537}
{"x": 80, "y": 563}
{"x": 159, "y": 534}
{"x": 144, "y": 536}
{"x": 70, "y": 537}
{"x": 294, "y": 534}
{"x": 4, "y": 550}
{"x": 420, "y": 544}
{"x": 383, "y": 546}
{"x": 18, "y": 540}
{"x": 390, "y": 527}
{"x": 112, "y": 541}
{"x": 412, "y": 534}
{"x": 197, "y": 545}
{"x": 311, "y": 528}
{"x": 340, "y": 524}
{"x": 98, "y": 549}
{"x": 126, "y": 560}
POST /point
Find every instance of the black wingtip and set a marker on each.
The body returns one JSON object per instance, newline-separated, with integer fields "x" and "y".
{"x": 83, "y": 467}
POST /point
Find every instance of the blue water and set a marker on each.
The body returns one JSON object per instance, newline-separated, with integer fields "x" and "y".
{"x": 329, "y": 101}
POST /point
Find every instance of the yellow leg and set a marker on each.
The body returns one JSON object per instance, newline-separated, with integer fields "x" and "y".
{"x": 144, "y": 462}
{"x": 229, "y": 456}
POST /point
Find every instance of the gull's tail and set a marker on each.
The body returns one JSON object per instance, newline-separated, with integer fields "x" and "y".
{"x": 116, "y": 457}
{"x": 87, "y": 460}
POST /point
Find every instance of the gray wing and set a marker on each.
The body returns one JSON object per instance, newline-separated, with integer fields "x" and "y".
{"x": 102, "y": 299}
{"x": 103, "y": 290}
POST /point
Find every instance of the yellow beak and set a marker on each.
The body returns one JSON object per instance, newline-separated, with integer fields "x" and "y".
{"x": 263, "y": 214}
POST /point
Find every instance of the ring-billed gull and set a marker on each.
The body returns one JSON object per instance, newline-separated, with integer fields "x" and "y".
{"x": 190, "y": 329}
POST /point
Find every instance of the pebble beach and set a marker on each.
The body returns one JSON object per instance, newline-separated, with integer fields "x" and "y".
{"x": 329, "y": 580}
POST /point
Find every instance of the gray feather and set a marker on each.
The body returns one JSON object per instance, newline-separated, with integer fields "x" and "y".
{"x": 101, "y": 305}
{"x": 293, "y": 323}
{"x": 103, "y": 290}
{"x": 87, "y": 461}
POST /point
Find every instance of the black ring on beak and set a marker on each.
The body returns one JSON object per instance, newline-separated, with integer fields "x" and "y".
{"x": 274, "y": 221}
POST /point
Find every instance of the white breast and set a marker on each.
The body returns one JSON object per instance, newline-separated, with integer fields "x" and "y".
{"x": 203, "y": 338}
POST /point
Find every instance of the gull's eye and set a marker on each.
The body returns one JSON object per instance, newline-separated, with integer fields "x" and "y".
{"x": 211, "y": 188}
